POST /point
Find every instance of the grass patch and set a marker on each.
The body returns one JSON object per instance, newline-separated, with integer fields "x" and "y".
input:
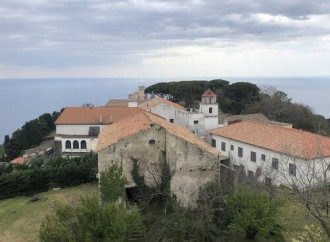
{"x": 20, "y": 217}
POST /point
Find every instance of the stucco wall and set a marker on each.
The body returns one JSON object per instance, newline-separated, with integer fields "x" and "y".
{"x": 193, "y": 168}
{"x": 136, "y": 147}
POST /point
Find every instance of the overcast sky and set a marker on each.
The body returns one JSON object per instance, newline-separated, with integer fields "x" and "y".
{"x": 170, "y": 38}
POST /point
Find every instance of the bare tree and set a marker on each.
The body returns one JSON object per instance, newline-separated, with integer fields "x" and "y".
{"x": 307, "y": 176}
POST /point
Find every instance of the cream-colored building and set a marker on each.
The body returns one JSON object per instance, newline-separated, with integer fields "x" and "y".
{"x": 151, "y": 140}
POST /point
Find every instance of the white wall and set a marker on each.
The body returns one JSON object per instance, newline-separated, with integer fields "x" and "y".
{"x": 280, "y": 176}
{"x": 90, "y": 144}
{"x": 75, "y": 129}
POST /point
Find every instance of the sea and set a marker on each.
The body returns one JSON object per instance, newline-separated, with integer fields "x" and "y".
{"x": 24, "y": 99}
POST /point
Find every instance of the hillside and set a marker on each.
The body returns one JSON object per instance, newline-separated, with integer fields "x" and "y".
{"x": 20, "y": 217}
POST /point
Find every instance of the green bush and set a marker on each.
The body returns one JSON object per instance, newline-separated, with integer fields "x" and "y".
{"x": 90, "y": 221}
{"x": 112, "y": 184}
{"x": 18, "y": 180}
{"x": 253, "y": 211}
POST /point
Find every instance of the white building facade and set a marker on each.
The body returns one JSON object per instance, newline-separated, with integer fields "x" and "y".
{"x": 198, "y": 122}
{"x": 282, "y": 165}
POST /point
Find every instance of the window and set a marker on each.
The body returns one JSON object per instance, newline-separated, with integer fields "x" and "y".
{"x": 250, "y": 174}
{"x": 83, "y": 144}
{"x": 275, "y": 163}
{"x": 292, "y": 169}
{"x": 232, "y": 147}
{"x": 210, "y": 110}
{"x": 253, "y": 156}
{"x": 195, "y": 121}
{"x": 240, "y": 152}
{"x": 223, "y": 146}
{"x": 263, "y": 157}
{"x": 75, "y": 144}
{"x": 268, "y": 181}
{"x": 171, "y": 120}
{"x": 68, "y": 144}
{"x": 94, "y": 131}
{"x": 214, "y": 143}
{"x": 152, "y": 141}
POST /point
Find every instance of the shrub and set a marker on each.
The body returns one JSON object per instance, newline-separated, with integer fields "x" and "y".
{"x": 18, "y": 180}
{"x": 253, "y": 211}
{"x": 112, "y": 184}
{"x": 90, "y": 221}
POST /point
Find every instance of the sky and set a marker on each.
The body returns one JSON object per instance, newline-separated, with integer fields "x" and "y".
{"x": 168, "y": 38}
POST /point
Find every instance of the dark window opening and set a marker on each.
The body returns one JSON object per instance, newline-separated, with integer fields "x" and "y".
{"x": 292, "y": 169}
{"x": 250, "y": 174}
{"x": 75, "y": 144}
{"x": 263, "y": 157}
{"x": 83, "y": 144}
{"x": 195, "y": 121}
{"x": 172, "y": 120}
{"x": 152, "y": 141}
{"x": 210, "y": 110}
{"x": 232, "y": 147}
{"x": 223, "y": 146}
{"x": 268, "y": 181}
{"x": 94, "y": 131}
{"x": 68, "y": 144}
{"x": 240, "y": 152}
{"x": 253, "y": 157}
{"x": 275, "y": 163}
{"x": 214, "y": 143}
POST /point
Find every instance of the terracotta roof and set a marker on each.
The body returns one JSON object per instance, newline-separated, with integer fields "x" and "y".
{"x": 280, "y": 139}
{"x": 19, "y": 160}
{"x": 91, "y": 115}
{"x": 143, "y": 121}
{"x": 209, "y": 93}
{"x": 158, "y": 100}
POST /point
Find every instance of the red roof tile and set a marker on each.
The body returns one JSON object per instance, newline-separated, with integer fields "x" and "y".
{"x": 143, "y": 121}
{"x": 158, "y": 100}
{"x": 91, "y": 115}
{"x": 19, "y": 160}
{"x": 209, "y": 93}
{"x": 280, "y": 139}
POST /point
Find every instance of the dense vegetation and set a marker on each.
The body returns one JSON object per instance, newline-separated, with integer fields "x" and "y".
{"x": 88, "y": 220}
{"x": 31, "y": 134}
{"x": 43, "y": 174}
{"x": 244, "y": 98}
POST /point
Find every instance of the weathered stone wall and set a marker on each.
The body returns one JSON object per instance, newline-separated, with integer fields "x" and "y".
{"x": 192, "y": 166}
{"x": 149, "y": 156}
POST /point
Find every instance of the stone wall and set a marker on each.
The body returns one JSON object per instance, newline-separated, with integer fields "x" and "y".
{"x": 192, "y": 166}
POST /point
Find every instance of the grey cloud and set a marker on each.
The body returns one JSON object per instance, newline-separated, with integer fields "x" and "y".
{"x": 75, "y": 32}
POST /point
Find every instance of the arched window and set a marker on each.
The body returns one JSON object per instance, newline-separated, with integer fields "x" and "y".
{"x": 75, "y": 144}
{"x": 210, "y": 110}
{"x": 83, "y": 144}
{"x": 68, "y": 144}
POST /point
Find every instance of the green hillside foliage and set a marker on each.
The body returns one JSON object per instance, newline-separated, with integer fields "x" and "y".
{"x": 31, "y": 134}
{"x": 245, "y": 98}
{"x": 44, "y": 174}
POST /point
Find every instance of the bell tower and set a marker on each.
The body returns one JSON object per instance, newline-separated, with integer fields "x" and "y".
{"x": 210, "y": 108}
